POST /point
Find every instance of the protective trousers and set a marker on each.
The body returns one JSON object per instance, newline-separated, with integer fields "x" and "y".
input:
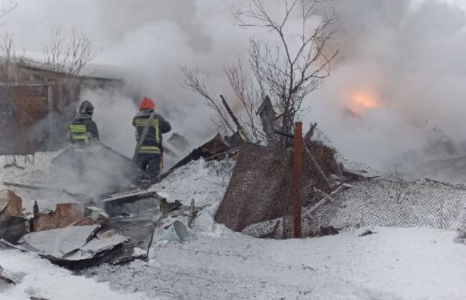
{"x": 149, "y": 163}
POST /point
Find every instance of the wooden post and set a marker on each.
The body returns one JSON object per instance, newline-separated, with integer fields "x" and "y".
{"x": 297, "y": 178}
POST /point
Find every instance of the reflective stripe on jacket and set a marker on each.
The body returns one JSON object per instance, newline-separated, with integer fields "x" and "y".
{"x": 82, "y": 132}
{"x": 153, "y": 141}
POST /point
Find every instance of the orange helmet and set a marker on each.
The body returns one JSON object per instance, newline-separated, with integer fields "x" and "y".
{"x": 146, "y": 103}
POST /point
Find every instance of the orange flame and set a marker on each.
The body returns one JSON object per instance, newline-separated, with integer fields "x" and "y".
{"x": 360, "y": 102}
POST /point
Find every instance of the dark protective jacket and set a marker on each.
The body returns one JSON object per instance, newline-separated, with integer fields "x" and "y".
{"x": 83, "y": 131}
{"x": 153, "y": 141}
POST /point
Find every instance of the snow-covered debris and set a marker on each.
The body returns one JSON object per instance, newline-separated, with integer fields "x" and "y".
{"x": 205, "y": 182}
{"x": 7, "y": 279}
{"x": 216, "y": 263}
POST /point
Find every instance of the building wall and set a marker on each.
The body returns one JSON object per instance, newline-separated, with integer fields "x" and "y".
{"x": 35, "y": 116}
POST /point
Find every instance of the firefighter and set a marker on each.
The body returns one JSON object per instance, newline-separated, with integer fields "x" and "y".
{"x": 83, "y": 132}
{"x": 149, "y": 151}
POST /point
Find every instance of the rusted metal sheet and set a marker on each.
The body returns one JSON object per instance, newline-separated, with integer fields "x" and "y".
{"x": 64, "y": 215}
{"x": 214, "y": 146}
{"x": 259, "y": 190}
{"x": 59, "y": 242}
{"x": 135, "y": 214}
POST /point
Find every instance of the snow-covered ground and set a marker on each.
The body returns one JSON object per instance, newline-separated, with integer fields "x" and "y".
{"x": 41, "y": 279}
{"x": 391, "y": 264}
{"x": 216, "y": 263}
{"x": 40, "y": 172}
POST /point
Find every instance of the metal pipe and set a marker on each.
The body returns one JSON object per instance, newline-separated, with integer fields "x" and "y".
{"x": 297, "y": 178}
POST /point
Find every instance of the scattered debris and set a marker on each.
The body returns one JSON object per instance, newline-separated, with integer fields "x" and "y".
{"x": 64, "y": 215}
{"x": 12, "y": 223}
{"x": 58, "y": 243}
{"x": 135, "y": 213}
{"x": 7, "y": 279}
{"x": 166, "y": 207}
{"x": 175, "y": 232}
{"x": 13, "y": 165}
{"x": 97, "y": 214}
{"x": 77, "y": 247}
{"x": 79, "y": 197}
{"x": 330, "y": 230}
{"x": 215, "y": 149}
{"x": 192, "y": 213}
{"x": 178, "y": 142}
{"x": 266, "y": 230}
{"x": 135, "y": 201}
{"x": 367, "y": 232}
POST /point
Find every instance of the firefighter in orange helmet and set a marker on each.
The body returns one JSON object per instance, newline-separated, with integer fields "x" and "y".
{"x": 149, "y": 129}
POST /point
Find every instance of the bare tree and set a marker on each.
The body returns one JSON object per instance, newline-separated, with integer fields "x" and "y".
{"x": 67, "y": 54}
{"x": 285, "y": 70}
{"x": 6, "y": 8}
{"x": 195, "y": 83}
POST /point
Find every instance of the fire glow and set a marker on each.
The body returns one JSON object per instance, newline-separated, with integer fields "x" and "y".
{"x": 361, "y": 102}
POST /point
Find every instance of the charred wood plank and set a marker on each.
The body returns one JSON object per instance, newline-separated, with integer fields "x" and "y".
{"x": 240, "y": 128}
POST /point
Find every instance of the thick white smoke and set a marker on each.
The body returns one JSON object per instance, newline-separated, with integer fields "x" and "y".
{"x": 150, "y": 41}
{"x": 408, "y": 55}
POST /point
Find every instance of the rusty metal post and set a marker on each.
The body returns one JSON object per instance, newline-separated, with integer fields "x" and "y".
{"x": 297, "y": 178}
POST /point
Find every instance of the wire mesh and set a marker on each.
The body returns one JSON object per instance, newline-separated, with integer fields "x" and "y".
{"x": 362, "y": 196}
{"x": 337, "y": 194}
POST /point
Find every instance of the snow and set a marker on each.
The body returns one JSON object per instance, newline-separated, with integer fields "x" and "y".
{"x": 41, "y": 279}
{"x": 205, "y": 182}
{"x": 393, "y": 263}
{"x": 216, "y": 263}
{"x": 40, "y": 172}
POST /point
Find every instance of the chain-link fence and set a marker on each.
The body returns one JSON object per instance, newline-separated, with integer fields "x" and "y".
{"x": 334, "y": 194}
{"x": 371, "y": 198}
